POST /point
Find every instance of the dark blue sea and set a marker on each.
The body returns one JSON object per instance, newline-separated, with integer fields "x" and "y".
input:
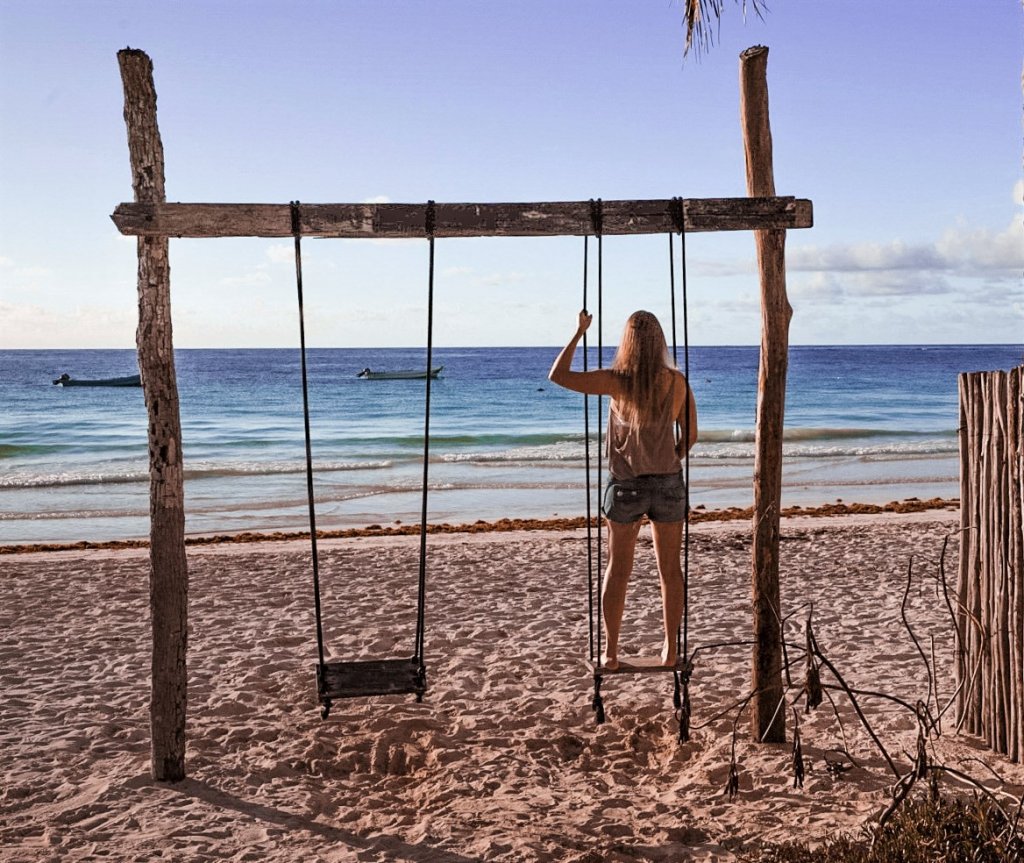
{"x": 865, "y": 424}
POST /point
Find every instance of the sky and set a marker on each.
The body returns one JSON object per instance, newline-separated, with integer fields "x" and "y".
{"x": 900, "y": 121}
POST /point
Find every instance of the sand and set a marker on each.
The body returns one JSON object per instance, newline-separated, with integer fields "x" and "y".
{"x": 503, "y": 760}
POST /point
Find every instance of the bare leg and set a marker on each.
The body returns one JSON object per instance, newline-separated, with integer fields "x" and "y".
{"x": 668, "y": 543}
{"x": 621, "y": 545}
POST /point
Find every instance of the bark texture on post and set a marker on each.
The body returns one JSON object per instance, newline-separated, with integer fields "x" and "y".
{"x": 168, "y": 593}
{"x": 990, "y": 586}
{"x": 769, "y": 720}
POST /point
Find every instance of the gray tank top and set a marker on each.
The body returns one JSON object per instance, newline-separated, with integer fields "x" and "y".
{"x": 647, "y": 449}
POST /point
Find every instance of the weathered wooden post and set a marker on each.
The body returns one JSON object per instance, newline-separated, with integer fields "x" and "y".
{"x": 769, "y": 718}
{"x": 990, "y": 586}
{"x": 168, "y": 585}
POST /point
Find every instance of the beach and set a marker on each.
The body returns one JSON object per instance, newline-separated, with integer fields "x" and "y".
{"x": 502, "y": 760}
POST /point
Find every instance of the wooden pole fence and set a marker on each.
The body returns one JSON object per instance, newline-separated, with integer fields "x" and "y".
{"x": 990, "y": 583}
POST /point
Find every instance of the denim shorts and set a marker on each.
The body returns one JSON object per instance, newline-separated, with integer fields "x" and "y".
{"x": 661, "y": 497}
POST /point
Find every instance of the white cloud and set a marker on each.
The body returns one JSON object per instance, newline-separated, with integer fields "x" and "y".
{"x": 961, "y": 250}
{"x": 494, "y": 280}
{"x": 819, "y": 287}
{"x": 896, "y": 255}
{"x": 900, "y": 283}
{"x": 21, "y": 276}
{"x": 721, "y": 268}
{"x": 25, "y": 325}
{"x": 281, "y": 253}
{"x": 982, "y": 249}
{"x": 377, "y": 199}
{"x": 33, "y": 272}
{"x": 257, "y": 277}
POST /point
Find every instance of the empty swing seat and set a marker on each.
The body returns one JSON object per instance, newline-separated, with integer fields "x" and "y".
{"x": 371, "y": 677}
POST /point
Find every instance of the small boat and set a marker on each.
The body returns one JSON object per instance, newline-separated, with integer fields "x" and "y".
{"x": 400, "y": 374}
{"x": 65, "y": 380}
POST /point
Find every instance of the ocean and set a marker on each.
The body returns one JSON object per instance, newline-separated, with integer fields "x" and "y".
{"x": 863, "y": 424}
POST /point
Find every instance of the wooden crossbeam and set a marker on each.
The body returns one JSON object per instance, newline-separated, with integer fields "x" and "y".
{"x": 568, "y": 218}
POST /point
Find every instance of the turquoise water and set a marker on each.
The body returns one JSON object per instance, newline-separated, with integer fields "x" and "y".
{"x": 867, "y": 424}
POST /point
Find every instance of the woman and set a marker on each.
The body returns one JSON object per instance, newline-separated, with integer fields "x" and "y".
{"x": 652, "y": 423}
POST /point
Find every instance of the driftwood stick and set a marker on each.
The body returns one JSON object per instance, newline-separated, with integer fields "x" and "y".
{"x": 971, "y": 684}
{"x": 839, "y": 722}
{"x": 971, "y": 782}
{"x": 900, "y": 793}
{"x": 739, "y": 704}
{"x": 856, "y": 706}
{"x": 913, "y": 635}
{"x": 874, "y": 693}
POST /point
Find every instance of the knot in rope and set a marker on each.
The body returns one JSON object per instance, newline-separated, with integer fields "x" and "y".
{"x": 678, "y": 216}
{"x": 596, "y": 216}
{"x": 430, "y": 220}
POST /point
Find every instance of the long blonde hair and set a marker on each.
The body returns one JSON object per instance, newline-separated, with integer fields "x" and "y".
{"x": 640, "y": 359}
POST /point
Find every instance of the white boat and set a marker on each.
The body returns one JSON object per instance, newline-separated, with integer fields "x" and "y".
{"x": 400, "y": 374}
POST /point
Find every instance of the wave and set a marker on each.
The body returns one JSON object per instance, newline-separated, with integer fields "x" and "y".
{"x": 930, "y": 447}
{"x": 128, "y": 476}
{"x": 488, "y": 439}
{"x": 811, "y": 434}
{"x": 563, "y": 450}
{"x": 516, "y": 451}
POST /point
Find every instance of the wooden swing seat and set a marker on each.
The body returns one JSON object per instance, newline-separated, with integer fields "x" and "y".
{"x": 361, "y": 678}
{"x": 639, "y": 665}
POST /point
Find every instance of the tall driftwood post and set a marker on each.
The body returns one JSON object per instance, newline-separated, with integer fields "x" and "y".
{"x": 769, "y": 721}
{"x": 168, "y": 591}
{"x": 990, "y": 587}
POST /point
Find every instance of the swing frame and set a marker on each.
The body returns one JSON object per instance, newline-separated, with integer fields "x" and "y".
{"x": 153, "y": 221}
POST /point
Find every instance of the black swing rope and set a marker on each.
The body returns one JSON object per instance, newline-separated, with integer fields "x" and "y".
{"x": 596, "y": 226}
{"x": 681, "y": 676}
{"x": 429, "y": 225}
{"x": 297, "y": 234}
{"x": 586, "y": 438}
{"x": 417, "y": 682}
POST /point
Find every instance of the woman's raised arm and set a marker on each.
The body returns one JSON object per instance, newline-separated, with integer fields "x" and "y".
{"x": 598, "y": 382}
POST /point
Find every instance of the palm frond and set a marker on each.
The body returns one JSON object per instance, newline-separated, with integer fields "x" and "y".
{"x": 704, "y": 21}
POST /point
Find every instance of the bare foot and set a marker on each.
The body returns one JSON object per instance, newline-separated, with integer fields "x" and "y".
{"x": 610, "y": 662}
{"x": 669, "y": 656}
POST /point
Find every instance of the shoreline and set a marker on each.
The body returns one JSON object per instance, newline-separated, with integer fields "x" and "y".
{"x": 697, "y": 515}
